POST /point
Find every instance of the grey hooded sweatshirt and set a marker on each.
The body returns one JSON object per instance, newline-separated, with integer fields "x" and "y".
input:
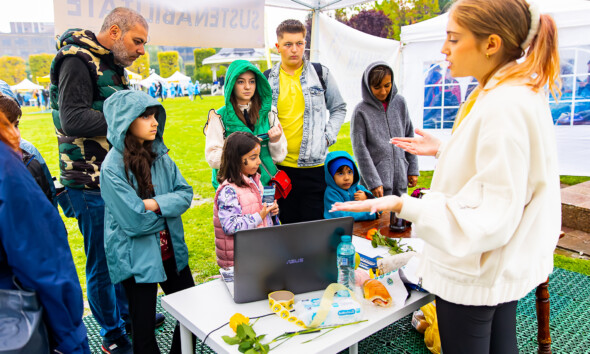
{"x": 380, "y": 163}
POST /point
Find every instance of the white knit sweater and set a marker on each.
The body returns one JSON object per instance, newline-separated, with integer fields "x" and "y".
{"x": 493, "y": 216}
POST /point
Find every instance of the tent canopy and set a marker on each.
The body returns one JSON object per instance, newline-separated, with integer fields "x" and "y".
{"x": 314, "y": 4}
{"x": 228, "y": 55}
{"x": 147, "y": 82}
{"x": 133, "y": 76}
{"x": 43, "y": 79}
{"x": 178, "y": 77}
{"x": 26, "y": 85}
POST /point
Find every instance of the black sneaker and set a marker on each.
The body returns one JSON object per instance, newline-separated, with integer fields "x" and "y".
{"x": 118, "y": 346}
{"x": 160, "y": 319}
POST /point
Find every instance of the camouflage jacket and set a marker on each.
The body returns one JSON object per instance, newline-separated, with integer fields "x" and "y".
{"x": 80, "y": 158}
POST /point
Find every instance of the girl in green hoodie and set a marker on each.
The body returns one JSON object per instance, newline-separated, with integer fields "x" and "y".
{"x": 248, "y": 108}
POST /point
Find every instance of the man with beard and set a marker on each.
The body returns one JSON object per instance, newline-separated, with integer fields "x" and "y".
{"x": 87, "y": 69}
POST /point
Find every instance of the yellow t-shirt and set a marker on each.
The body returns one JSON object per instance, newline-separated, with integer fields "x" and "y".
{"x": 290, "y": 107}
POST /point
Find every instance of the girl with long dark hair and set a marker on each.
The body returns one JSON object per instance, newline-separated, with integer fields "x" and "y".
{"x": 238, "y": 201}
{"x": 145, "y": 196}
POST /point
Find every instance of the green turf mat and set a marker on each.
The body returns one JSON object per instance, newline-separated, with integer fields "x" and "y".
{"x": 569, "y": 322}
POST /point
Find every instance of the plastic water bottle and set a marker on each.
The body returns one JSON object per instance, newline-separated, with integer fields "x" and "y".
{"x": 345, "y": 254}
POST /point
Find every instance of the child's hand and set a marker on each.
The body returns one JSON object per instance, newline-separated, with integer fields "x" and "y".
{"x": 274, "y": 134}
{"x": 377, "y": 192}
{"x": 151, "y": 204}
{"x": 273, "y": 209}
{"x": 412, "y": 181}
{"x": 360, "y": 195}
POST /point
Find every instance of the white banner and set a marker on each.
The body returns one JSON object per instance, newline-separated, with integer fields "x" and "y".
{"x": 191, "y": 23}
{"x": 347, "y": 53}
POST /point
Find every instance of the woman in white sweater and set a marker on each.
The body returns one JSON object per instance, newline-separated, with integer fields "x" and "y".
{"x": 492, "y": 218}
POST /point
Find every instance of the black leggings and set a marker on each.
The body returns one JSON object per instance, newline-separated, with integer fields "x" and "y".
{"x": 306, "y": 200}
{"x": 477, "y": 329}
{"x": 142, "y": 307}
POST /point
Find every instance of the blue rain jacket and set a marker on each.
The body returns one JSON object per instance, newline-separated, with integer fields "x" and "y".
{"x": 335, "y": 194}
{"x": 131, "y": 233}
{"x": 34, "y": 248}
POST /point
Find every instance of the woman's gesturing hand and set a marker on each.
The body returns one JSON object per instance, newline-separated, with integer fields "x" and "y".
{"x": 388, "y": 203}
{"x": 424, "y": 144}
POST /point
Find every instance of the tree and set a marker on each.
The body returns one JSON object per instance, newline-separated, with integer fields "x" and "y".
{"x": 141, "y": 65}
{"x": 168, "y": 63}
{"x": 189, "y": 70}
{"x": 200, "y": 54}
{"x": 407, "y": 12}
{"x": 373, "y": 22}
{"x": 40, "y": 65}
{"x": 444, "y": 5}
{"x": 12, "y": 69}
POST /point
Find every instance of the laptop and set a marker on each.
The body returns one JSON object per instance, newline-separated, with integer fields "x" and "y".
{"x": 297, "y": 257}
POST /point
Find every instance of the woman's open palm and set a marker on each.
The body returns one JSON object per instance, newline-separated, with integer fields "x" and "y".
{"x": 423, "y": 144}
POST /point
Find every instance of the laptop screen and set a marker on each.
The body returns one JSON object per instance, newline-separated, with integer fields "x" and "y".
{"x": 297, "y": 257}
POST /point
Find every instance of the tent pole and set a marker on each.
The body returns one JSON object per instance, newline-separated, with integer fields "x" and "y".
{"x": 315, "y": 32}
{"x": 266, "y": 43}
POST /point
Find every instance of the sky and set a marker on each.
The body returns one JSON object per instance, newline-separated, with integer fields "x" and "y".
{"x": 42, "y": 11}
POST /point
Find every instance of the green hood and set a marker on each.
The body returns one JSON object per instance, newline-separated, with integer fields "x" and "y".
{"x": 122, "y": 108}
{"x": 263, "y": 89}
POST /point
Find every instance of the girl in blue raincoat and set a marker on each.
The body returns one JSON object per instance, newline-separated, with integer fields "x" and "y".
{"x": 145, "y": 196}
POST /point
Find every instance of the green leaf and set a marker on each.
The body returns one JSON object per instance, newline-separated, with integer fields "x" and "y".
{"x": 249, "y": 331}
{"x": 251, "y": 351}
{"x": 266, "y": 348}
{"x": 374, "y": 242}
{"x": 240, "y": 331}
{"x": 261, "y": 337}
{"x": 245, "y": 345}
{"x": 231, "y": 340}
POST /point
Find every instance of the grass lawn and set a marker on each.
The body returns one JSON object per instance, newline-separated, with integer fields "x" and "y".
{"x": 184, "y": 136}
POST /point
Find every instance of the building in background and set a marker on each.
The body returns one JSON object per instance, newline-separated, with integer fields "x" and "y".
{"x": 26, "y": 38}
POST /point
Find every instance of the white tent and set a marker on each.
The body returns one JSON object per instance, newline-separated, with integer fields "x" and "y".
{"x": 179, "y": 78}
{"x": 421, "y": 45}
{"x": 26, "y": 85}
{"x": 147, "y": 82}
{"x": 228, "y": 55}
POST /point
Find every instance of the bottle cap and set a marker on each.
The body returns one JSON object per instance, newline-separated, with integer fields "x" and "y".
{"x": 346, "y": 238}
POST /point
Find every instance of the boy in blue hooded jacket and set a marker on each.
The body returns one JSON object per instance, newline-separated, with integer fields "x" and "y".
{"x": 342, "y": 177}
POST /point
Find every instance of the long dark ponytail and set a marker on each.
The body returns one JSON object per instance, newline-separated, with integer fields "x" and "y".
{"x": 138, "y": 158}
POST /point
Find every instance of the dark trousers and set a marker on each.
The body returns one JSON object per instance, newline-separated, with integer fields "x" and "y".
{"x": 477, "y": 329}
{"x": 142, "y": 307}
{"x": 306, "y": 200}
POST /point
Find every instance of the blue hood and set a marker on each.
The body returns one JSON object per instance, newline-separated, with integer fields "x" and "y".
{"x": 122, "y": 108}
{"x": 330, "y": 179}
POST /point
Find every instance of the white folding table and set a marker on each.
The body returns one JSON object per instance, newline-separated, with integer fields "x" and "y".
{"x": 205, "y": 307}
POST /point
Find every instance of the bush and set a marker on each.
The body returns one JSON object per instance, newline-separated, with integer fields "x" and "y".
{"x": 189, "y": 70}
{"x": 12, "y": 69}
{"x": 200, "y": 54}
{"x": 141, "y": 65}
{"x": 40, "y": 65}
{"x": 168, "y": 63}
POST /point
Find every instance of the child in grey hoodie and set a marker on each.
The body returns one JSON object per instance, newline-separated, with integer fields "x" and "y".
{"x": 385, "y": 169}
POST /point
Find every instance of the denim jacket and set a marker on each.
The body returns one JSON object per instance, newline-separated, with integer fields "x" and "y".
{"x": 319, "y": 132}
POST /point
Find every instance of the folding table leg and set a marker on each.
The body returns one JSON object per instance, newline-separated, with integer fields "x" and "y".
{"x": 186, "y": 340}
{"x": 353, "y": 349}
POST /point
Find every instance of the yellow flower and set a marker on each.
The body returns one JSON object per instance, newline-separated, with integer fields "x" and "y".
{"x": 238, "y": 319}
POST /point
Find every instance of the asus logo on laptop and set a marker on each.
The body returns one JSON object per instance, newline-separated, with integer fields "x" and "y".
{"x": 295, "y": 260}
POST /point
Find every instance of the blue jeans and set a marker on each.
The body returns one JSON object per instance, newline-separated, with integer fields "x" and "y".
{"x": 108, "y": 302}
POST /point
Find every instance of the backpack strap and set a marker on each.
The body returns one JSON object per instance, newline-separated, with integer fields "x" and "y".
{"x": 320, "y": 71}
